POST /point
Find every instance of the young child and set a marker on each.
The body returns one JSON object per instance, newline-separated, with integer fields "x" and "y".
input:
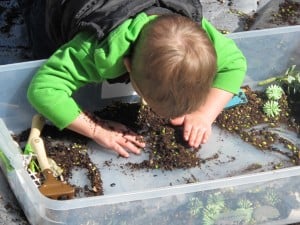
{"x": 185, "y": 70}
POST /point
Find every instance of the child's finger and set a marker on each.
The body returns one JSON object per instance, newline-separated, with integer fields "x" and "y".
{"x": 205, "y": 137}
{"x": 120, "y": 150}
{"x": 177, "y": 121}
{"x": 131, "y": 147}
{"x": 196, "y": 137}
{"x": 199, "y": 139}
{"x": 124, "y": 144}
{"x": 137, "y": 140}
{"x": 187, "y": 132}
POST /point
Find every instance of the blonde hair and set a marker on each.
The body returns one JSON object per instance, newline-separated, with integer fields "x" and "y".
{"x": 173, "y": 65}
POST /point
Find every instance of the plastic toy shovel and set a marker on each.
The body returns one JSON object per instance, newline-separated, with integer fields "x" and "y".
{"x": 37, "y": 124}
{"x": 238, "y": 99}
{"x": 51, "y": 187}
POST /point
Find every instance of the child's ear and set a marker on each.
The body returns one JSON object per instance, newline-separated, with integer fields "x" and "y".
{"x": 127, "y": 63}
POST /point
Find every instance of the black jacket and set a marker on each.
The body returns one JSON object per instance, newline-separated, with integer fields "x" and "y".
{"x": 65, "y": 18}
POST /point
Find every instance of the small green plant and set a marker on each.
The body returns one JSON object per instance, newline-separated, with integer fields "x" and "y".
{"x": 245, "y": 208}
{"x": 210, "y": 214}
{"x": 271, "y": 108}
{"x": 274, "y": 92}
{"x": 195, "y": 206}
{"x": 216, "y": 199}
{"x": 245, "y": 203}
{"x": 215, "y": 205}
{"x": 289, "y": 81}
{"x": 272, "y": 197}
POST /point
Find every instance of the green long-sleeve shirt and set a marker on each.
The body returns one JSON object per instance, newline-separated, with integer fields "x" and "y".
{"x": 85, "y": 60}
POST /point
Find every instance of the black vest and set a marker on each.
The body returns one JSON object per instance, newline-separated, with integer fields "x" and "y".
{"x": 65, "y": 18}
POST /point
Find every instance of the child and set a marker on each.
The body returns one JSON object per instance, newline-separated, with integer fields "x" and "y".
{"x": 184, "y": 69}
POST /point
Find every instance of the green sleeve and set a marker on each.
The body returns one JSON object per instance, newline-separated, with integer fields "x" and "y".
{"x": 231, "y": 63}
{"x": 68, "y": 69}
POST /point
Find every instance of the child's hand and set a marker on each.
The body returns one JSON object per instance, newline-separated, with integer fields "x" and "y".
{"x": 196, "y": 128}
{"x": 197, "y": 125}
{"x": 119, "y": 138}
{"x": 109, "y": 134}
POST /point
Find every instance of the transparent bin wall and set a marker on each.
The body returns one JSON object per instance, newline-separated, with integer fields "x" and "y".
{"x": 240, "y": 200}
{"x": 269, "y": 52}
{"x": 144, "y": 196}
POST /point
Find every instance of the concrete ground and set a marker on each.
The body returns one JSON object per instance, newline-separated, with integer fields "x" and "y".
{"x": 227, "y": 15}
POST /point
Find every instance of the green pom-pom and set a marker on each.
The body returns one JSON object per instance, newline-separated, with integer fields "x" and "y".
{"x": 271, "y": 108}
{"x": 274, "y": 92}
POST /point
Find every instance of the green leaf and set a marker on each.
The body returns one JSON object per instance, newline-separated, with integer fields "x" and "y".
{"x": 5, "y": 162}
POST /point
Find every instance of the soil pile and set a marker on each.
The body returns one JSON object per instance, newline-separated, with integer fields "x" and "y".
{"x": 253, "y": 125}
{"x": 165, "y": 145}
{"x": 288, "y": 13}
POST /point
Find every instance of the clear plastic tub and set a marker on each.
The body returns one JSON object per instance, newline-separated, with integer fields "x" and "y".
{"x": 221, "y": 192}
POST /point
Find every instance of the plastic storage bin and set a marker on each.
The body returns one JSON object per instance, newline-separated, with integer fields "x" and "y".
{"x": 164, "y": 197}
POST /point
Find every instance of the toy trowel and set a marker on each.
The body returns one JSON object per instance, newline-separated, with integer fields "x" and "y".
{"x": 37, "y": 125}
{"x": 51, "y": 187}
{"x": 238, "y": 99}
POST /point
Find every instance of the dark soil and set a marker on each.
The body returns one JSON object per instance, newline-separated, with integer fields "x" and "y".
{"x": 243, "y": 120}
{"x": 288, "y": 13}
{"x": 11, "y": 17}
{"x": 165, "y": 145}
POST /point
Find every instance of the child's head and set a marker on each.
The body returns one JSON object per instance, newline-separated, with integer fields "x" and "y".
{"x": 173, "y": 65}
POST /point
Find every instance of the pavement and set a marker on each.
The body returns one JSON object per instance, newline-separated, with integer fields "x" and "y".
{"x": 227, "y": 15}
